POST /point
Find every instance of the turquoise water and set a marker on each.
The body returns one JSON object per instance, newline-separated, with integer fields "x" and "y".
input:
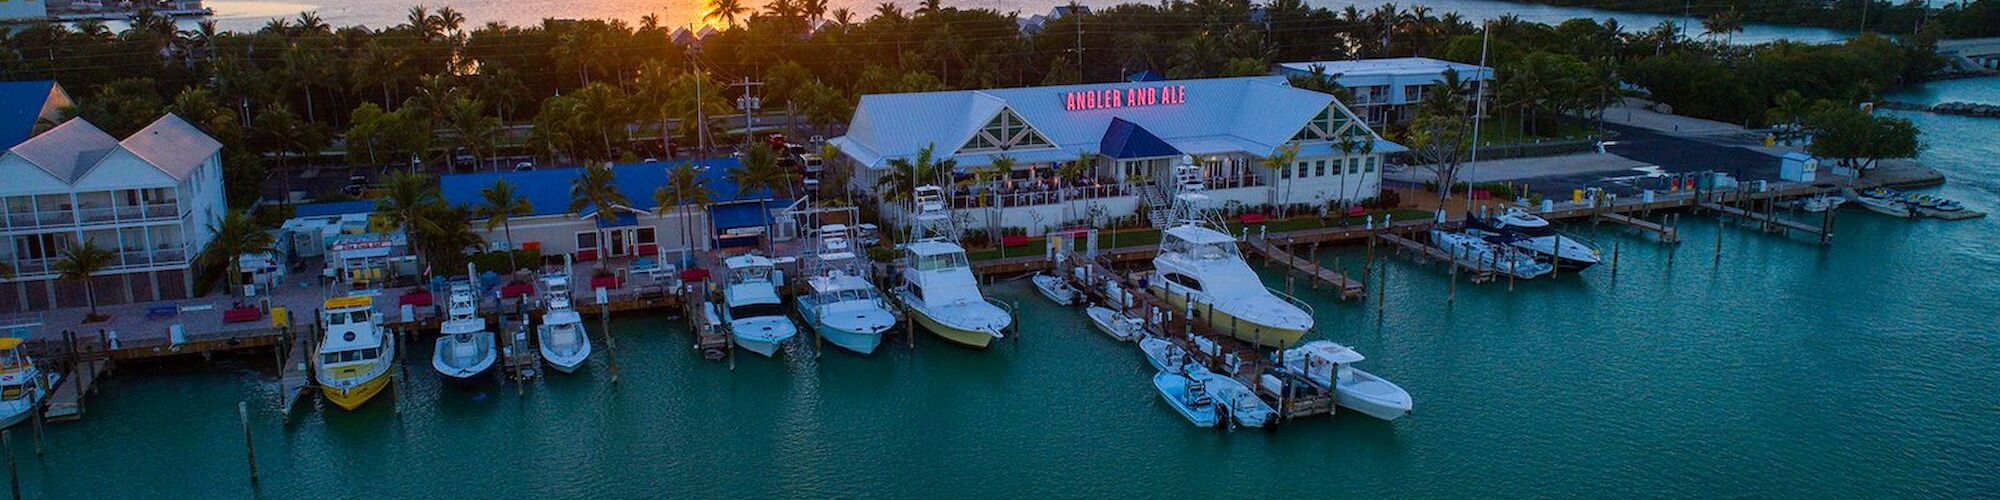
{"x": 1864, "y": 369}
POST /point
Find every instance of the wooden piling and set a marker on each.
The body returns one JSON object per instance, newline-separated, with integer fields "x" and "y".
{"x": 1718, "y": 240}
{"x": 249, "y": 446}
{"x": 13, "y": 473}
{"x": 1616, "y": 245}
{"x": 610, "y": 341}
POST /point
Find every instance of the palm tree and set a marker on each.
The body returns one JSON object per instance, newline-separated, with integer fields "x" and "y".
{"x": 596, "y": 189}
{"x": 727, "y": 11}
{"x": 500, "y": 209}
{"x": 900, "y": 183}
{"x": 683, "y": 192}
{"x": 985, "y": 177}
{"x": 1318, "y": 80}
{"x": 477, "y": 131}
{"x": 887, "y": 11}
{"x": 1074, "y": 172}
{"x": 1281, "y": 160}
{"x": 1725, "y": 23}
{"x": 404, "y": 198}
{"x": 236, "y": 235}
{"x": 759, "y": 170}
{"x": 79, "y": 262}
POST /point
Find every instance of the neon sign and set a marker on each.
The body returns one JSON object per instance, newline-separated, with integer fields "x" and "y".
{"x": 1081, "y": 100}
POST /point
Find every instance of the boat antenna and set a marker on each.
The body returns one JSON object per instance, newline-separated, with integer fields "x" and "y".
{"x": 1478, "y": 109}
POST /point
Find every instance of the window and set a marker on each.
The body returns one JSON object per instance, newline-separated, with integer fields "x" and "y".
{"x": 1302, "y": 168}
{"x": 1285, "y": 173}
{"x": 1184, "y": 281}
{"x": 644, "y": 235}
{"x": 586, "y": 241}
{"x": 1371, "y": 164}
{"x": 1353, "y": 165}
{"x": 1006, "y": 131}
{"x": 1319, "y": 168}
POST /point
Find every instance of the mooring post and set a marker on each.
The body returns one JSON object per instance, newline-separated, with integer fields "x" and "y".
{"x": 13, "y": 474}
{"x": 249, "y": 448}
{"x": 1616, "y": 245}
{"x": 1718, "y": 241}
{"x": 1451, "y": 293}
{"x": 610, "y": 341}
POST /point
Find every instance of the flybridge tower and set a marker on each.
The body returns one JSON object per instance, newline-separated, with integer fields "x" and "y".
{"x": 1191, "y": 199}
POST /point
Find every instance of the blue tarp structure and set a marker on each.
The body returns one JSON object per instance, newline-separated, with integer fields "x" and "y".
{"x": 1146, "y": 76}
{"x": 548, "y": 190}
{"x": 20, "y": 106}
{"x": 334, "y": 208}
{"x": 1126, "y": 140}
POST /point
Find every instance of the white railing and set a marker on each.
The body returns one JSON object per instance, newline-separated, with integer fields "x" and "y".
{"x": 1044, "y": 197}
{"x": 96, "y": 215}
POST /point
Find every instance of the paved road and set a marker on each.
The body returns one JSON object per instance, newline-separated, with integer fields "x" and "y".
{"x": 1670, "y": 154}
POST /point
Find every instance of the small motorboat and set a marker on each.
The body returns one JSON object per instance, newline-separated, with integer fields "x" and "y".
{"x": 1189, "y": 397}
{"x": 1163, "y": 354}
{"x": 1055, "y": 289}
{"x": 1886, "y": 202}
{"x": 1329, "y": 366}
{"x": 1120, "y": 326}
{"x": 1245, "y": 408}
{"x": 1821, "y": 203}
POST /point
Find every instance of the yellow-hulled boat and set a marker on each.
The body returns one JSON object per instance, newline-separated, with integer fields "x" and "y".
{"x": 355, "y": 355}
{"x": 941, "y": 294}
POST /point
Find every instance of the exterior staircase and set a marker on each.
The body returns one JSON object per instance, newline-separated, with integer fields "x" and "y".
{"x": 1159, "y": 212}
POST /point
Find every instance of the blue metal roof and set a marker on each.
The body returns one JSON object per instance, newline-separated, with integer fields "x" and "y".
{"x": 548, "y": 190}
{"x": 1125, "y": 140}
{"x": 20, "y": 105}
{"x": 333, "y": 208}
{"x": 734, "y": 215}
{"x": 1145, "y": 76}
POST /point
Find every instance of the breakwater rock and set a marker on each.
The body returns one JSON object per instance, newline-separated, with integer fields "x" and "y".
{"x": 1948, "y": 108}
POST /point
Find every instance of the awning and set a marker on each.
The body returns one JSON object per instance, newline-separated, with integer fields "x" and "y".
{"x": 619, "y": 218}
{"x": 1125, "y": 140}
{"x": 738, "y": 215}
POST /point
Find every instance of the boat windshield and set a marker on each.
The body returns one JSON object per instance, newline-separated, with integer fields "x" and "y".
{"x": 756, "y": 310}
{"x": 940, "y": 262}
{"x": 750, "y": 274}
{"x": 1203, "y": 251}
{"x": 351, "y": 355}
{"x": 13, "y": 392}
{"x": 337, "y": 318}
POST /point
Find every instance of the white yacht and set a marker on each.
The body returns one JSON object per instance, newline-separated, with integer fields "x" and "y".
{"x": 1200, "y": 271}
{"x": 465, "y": 348}
{"x": 1476, "y": 252}
{"x": 843, "y": 306}
{"x": 1329, "y": 366}
{"x": 560, "y": 337}
{"x": 754, "y": 312}
{"x": 355, "y": 353}
{"x": 1531, "y": 233}
{"x": 938, "y": 289}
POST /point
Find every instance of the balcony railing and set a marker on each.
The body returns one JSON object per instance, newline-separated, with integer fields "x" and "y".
{"x": 87, "y": 216}
{"x": 121, "y": 259}
{"x": 1050, "y": 196}
{"x": 1233, "y": 181}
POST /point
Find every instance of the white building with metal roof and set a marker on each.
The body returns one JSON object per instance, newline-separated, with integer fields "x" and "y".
{"x": 1127, "y": 136}
{"x": 1386, "y": 90}
{"x": 150, "y": 199}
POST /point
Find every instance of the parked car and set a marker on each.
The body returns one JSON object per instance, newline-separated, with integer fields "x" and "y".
{"x": 524, "y": 166}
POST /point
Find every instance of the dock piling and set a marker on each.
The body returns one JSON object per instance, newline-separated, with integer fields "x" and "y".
{"x": 249, "y": 446}
{"x": 610, "y": 341}
{"x": 13, "y": 473}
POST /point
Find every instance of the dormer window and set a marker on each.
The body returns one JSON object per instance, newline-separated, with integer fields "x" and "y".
{"x": 1006, "y": 131}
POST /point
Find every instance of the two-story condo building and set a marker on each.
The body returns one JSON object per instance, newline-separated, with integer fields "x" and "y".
{"x": 151, "y": 199}
{"x": 1129, "y": 136}
{"x": 1387, "y": 90}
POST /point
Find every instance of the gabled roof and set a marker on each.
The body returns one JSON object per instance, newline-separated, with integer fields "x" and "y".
{"x": 548, "y": 189}
{"x": 22, "y": 104}
{"x": 173, "y": 145}
{"x": 1254, "y": 115}
{"x": 68, "y": 150}
{"x": 1124, "y": 140}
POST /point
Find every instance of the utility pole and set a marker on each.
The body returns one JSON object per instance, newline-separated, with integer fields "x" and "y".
{"x": 749, "y": 104}
{"x": 700, "y": 121}
{"x": 1076, "y": 11}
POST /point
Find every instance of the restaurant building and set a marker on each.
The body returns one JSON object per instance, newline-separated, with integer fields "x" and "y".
{"x": 1128, "y": 137}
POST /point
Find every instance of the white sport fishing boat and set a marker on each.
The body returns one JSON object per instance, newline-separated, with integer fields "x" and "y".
{"x": 561, "y": 338}
{"x": 1120, "y": 326}
{"x": 843, "y": 306}
{"x": 1057, "y": 290}
{"x": 1245, "y": 408}
{"x": 465, "y": 348}
{"x": 938, "y": 289}
{"x": 1329, "y": 366}
{"x": 1475, "y": 251}
{"x": 1199, "y": 269}
{"x": 754, "y": 312}
{"x": 1530, "y": 233}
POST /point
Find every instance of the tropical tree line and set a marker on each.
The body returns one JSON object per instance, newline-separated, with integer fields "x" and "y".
{"x": 1953, "y": 19}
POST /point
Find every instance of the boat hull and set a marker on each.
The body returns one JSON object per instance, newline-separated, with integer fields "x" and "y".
{"x": 565, "y": 364}
{"x": 1264, "y": 335}
{"x": 349, "y": 399}
{"x": 960, "y": 336}
{"x": 860, "y": 342}
{"x": 762, "y": 348}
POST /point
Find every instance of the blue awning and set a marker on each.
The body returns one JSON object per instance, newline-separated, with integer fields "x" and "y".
{"x": 729, "y": 216}
{"x": 1124, "y": 140}
{"x": 1145, "y": 76}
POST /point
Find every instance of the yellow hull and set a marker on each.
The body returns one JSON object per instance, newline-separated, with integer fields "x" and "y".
{"x": 1246, "y": 331}
{"x": 955, "y": 335}
{"x": 351, "y": 399}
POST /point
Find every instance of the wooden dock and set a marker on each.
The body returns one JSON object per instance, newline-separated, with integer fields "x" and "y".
{"x": 65, "y": 401}
{"x": 295, "y": 373}
{"x": 1349, "y": 288}
{"x": 1666, "y": 234}
{"x": 1431, "y": 253}
{"x": 1773, "y": 223}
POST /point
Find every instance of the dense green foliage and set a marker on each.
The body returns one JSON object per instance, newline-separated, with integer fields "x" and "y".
{"x": 1952, "y": 19}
